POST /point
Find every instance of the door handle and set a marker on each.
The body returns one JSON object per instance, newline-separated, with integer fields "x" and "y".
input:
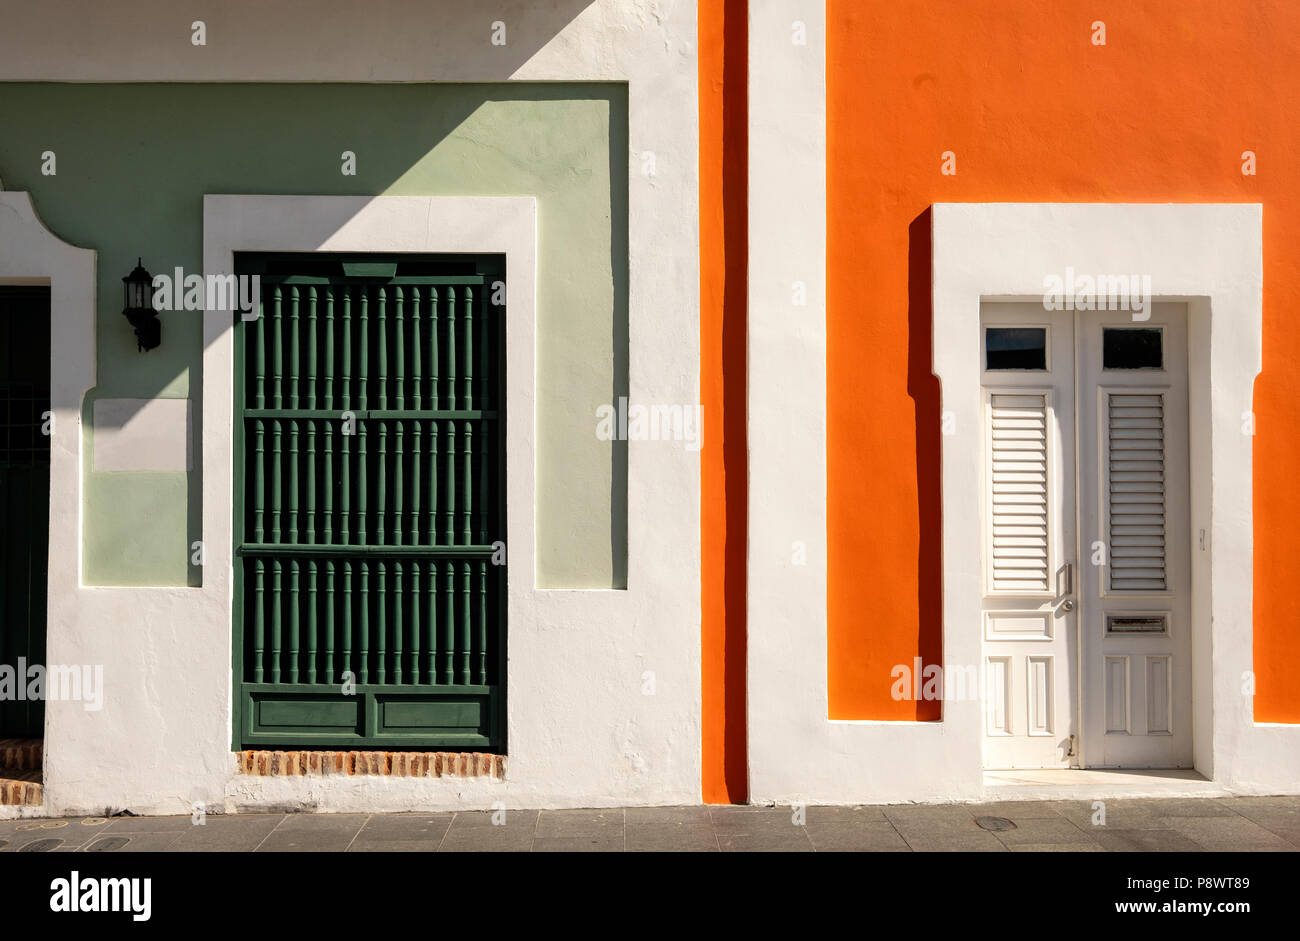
{"x": 1068, "y": 593}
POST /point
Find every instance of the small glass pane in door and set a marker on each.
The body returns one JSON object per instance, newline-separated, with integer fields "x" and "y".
{"x": 1015, "y": 348}
{"x": 1132, "y": 348}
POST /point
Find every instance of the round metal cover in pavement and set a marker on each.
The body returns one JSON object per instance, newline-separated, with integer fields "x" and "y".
{"x": 108, "y": 844}
{"x": 40, "y": 846}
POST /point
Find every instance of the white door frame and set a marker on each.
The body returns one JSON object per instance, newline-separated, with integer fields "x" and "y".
{"x": 31, "y": 254}
{"x": 1208, "y": 256}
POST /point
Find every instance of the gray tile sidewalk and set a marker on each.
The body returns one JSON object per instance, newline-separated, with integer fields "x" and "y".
{"x": 1190, "y": 824}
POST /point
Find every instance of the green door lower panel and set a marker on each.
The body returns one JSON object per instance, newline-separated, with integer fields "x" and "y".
{"x": 373, "y": 716}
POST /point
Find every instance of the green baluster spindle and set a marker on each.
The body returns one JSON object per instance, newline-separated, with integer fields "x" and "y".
{"x": 381, "y": 344}
{"x": 399, "y": 351}
{"x": 399, "y": 622}
{"x": 381, "y": 621}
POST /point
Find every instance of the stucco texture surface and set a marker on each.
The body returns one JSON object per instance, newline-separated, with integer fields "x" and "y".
{"x": 1033, "y": 112}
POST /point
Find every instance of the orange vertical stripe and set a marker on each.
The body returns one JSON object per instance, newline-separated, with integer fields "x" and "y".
{"x": 723, "y": 79}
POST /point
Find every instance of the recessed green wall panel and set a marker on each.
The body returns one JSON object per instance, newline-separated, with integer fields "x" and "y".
{"x": 137, "y": 534}
{"x": 134, "y": 162}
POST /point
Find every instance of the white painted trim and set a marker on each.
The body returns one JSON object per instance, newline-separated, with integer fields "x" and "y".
{"x": 1210, "y": 256}
{"x": 547, "y": 629}
{"x": 31, "y": 254}
{"x": 495, "y": 225}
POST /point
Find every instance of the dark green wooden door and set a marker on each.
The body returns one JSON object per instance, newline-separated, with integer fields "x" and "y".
{"x": 369, "y": 608}
{"x": 24, "y": 498}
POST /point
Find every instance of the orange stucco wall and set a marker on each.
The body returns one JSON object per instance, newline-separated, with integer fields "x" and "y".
{"x": 1035, "y": 112}
{"x": 723, "y": 249}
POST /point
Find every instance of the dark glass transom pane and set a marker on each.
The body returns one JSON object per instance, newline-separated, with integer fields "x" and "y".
{"x": 1132, "y": 348}
{"x": 1015, "y": 348}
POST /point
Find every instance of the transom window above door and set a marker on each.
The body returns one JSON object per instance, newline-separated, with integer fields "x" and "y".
{"x": 1132, "y": 348}
{"x": 1022, "y": 348}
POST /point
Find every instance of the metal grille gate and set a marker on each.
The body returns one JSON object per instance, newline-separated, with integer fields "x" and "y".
{"x": 369, "y": 493}
{"x": 24, "y": 498}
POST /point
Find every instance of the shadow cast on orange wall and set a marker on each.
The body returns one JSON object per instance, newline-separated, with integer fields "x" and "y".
{"x": 923, "y": 387}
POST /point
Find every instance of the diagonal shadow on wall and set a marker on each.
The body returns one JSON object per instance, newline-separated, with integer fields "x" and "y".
{"x": 432, "y": 139}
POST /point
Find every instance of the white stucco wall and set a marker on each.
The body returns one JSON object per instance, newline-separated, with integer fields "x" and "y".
{"x": 581, "y": 730}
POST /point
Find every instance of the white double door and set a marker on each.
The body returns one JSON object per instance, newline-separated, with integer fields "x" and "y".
{"x": 1086, "y": 607}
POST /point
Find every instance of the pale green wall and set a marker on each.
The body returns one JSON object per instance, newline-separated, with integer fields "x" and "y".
{"x": 134, "y": 162}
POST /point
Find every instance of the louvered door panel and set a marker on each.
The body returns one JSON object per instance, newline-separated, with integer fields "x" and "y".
{"x": 1018, "y": 481}
{"x": 1136, "y": 490}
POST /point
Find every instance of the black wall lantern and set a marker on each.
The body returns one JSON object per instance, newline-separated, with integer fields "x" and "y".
{"x": 138, "y": 290}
